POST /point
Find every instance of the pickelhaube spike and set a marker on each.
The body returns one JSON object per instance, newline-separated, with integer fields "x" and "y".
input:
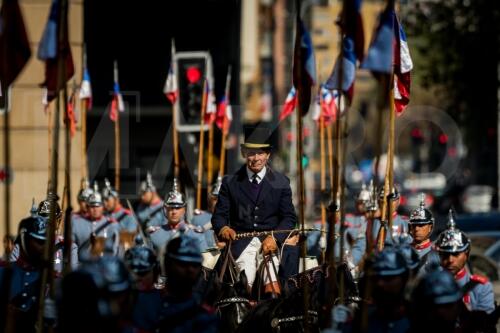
{"x": 108, "y": 191}
{"x": 373, "y": 203}
{"x": 364, "y": 194}
{"x": 95, "y": 198}
{"x": 452, "y": 240}
{"x": 174, "y": 197}
{"x": 85, "y": 190}
{"x": 216, "y": 187}
{"x": 451, "y": 220}
{"x": 33, "y": 210}
{"x": 147, "y": 185}
{"x": 421, "y": 215}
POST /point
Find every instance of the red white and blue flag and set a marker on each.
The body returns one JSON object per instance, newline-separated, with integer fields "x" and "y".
{"x": 224, "y": 114}
{"x": 352, "y": 51}
{"x": 50, "y": 51}
{"x": 86, "y": 89}
{"x": 170, "y": 90}
{"x": 290, "y": 104}
{"x": 389, "y": 53}
{"x": 304, "y": 65}
{"x": 211, "y": 109}
{"x": 402, "y": 70}
{"x": 326, "y": 106}
{"x": 117, "y": 104}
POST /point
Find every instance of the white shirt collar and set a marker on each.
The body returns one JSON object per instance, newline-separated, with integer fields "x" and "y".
{"x": 260, "y": 174}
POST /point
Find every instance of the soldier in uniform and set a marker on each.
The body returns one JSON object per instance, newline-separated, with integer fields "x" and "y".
{"x": 149, "y": 211}
{"x": 20, "y": 280}
{"x": 97, "y": 298}
{"x": 255, "y": 198}
{"x": 421, "y": 224}
{"x": 143, "y": 265}
{"x": 182, "y": 310}
{"x": 354, "y": 238}
{"x": 88, "y": 233}
{"x": 203, "y": 218}
{"x": 175, "y": 213}
{"x": 436, "y": 300}
{"x": 399, "y": 222}
{"x": 387, "y": 272}
{"x": 83, "y": 196}
{"x": 453, "y": 247}
{"x": 115, "y": 210}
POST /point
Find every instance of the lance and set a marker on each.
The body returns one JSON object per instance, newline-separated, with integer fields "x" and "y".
{"x": 210, "y": 162}
{"x": 297, "y": 73}
{"x": 67, "y": 180}
{"x": 201, "y": 147}
{"x": 225, "y": 125}
{"x": 322, "y": 172}
{"x": 117, "y": 135}
{"x": 175, "y": 135}
{"x": 83, "y": 119}
{"x": 48, "y": 270}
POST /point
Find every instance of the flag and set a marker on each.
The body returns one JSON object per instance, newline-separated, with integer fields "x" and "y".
{"x": 50, "y": 51}
{"x": 304, "y": 65}
{"x": 224, "y": 114}
{"x": 290, "y": 104}
{"x": 211, "y": 108}
{"x": 402, "y": 69}
{"x": 389, "y": 54}
{"x": 352, "y": 51}
{"x": 70, "y": 115}
{"x": 326, "y": 106}
{"x": 86, "y": 89}
{"x": 14, "y": 44}
{"x": 117, "y": 104}
{"x": 170, "y": 90}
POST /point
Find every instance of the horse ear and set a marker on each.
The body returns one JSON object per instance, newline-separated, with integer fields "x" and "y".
{"x": 243, "y": 278}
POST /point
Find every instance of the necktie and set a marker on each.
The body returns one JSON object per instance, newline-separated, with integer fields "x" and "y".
{"x": 254, "y": 179}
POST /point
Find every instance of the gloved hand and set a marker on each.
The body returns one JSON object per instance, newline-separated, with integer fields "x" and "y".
{"x": 269, "y": 245}
{"x": 341, "y": 314}
{"x": 227, "y": 234}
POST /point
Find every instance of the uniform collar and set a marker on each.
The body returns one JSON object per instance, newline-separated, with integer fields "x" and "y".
{"x": 461, "y": 274}
{"x": 260, "y": 174}
{"x": 424, "y": 245}
{"x": 118, "y": 208}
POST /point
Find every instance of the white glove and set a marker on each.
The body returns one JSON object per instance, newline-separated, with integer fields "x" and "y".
{"x": 49, "y": 309}
{"x": 341, "y": 314}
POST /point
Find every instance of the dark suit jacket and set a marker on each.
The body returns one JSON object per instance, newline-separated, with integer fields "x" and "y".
{"x": 236, "y": 207}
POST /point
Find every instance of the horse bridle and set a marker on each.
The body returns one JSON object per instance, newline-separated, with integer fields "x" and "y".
{"x": 231, "y": 300}
{"x": 276, "y": 322}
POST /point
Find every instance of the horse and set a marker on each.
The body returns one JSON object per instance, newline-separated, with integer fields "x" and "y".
{"x": 231, "y": 297}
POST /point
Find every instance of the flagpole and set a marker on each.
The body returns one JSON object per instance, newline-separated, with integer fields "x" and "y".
{"x": 323, "y": 173}
{"x": 300, "y": 170}
{"x": 225, "y": 130}
{"x": 175, "y": 136}
{"x": 83, "y": 119}
{"x": 329, "y": 136}
{"x": 67, "y": 180}
{"x": 117, "y": 136}
{"x": 6, "y": 155}
{"x": 201, "y": 148}
{"x": 210, "y": 161}
{"x": 48, "y": 271}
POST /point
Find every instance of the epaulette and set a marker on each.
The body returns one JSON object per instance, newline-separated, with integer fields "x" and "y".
{"x": 350, "y": 215}
{"x": 127, "y": 211}
{"x": 403, "y": 217}
{"x": 479, "y": 278}
{"x": 111, "y": 219}
{"x": 197, "y": 212}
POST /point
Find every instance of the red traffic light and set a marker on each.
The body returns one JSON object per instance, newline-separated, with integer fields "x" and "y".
{"x": 193, "y": 74}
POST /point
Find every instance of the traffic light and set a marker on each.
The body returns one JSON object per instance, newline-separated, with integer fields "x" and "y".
{"x": 192, "y": 69}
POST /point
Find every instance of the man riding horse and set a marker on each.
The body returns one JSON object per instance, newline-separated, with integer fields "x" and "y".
{"x": 255, "y": 199}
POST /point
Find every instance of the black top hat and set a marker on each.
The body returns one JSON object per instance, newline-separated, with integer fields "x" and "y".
{"x": 256, "y": 137}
